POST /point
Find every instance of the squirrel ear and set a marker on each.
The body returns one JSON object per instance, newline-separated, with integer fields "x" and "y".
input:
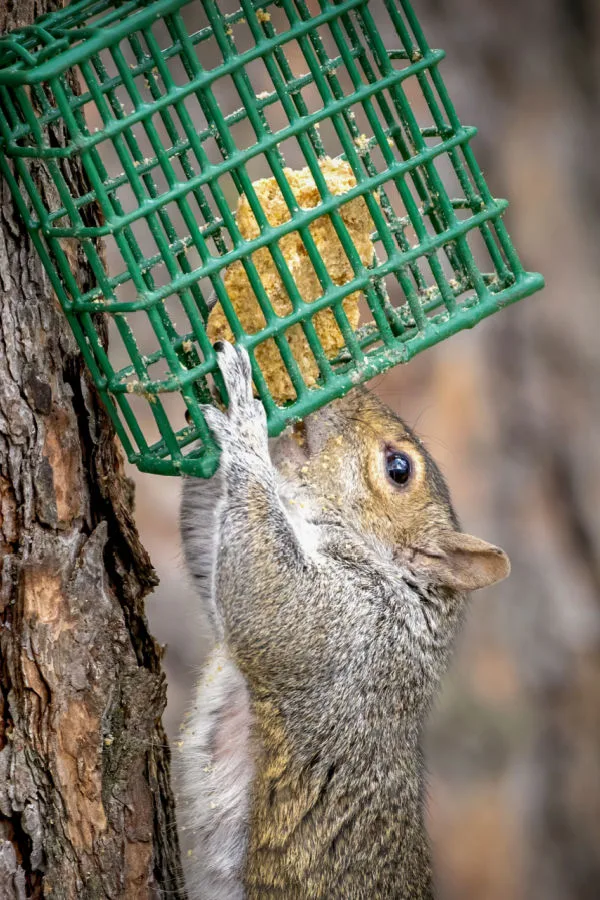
{"x": 465, "y": 563}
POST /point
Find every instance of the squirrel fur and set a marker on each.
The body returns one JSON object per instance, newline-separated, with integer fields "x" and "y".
{"x": 335, "y": 595}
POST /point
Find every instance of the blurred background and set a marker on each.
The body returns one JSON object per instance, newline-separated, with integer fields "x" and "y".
{"x": 511, "y": 412}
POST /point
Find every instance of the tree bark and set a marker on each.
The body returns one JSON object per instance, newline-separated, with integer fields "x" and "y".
{"x": 86, "y": 809}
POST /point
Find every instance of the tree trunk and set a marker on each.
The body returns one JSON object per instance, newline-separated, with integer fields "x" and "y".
{"x": 86, "y": 809}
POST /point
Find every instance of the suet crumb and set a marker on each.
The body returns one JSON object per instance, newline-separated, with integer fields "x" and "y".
{"x": 362, "y": 142}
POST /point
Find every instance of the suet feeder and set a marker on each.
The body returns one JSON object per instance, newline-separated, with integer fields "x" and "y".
{"x": 152, "y": 119}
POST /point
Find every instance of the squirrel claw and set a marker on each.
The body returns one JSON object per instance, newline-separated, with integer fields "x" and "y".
{"x": 243, "y": 425}
{"x": 236, "y": 370}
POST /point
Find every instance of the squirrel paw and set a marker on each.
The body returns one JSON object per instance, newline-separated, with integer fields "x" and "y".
{"x": 244, "y": 425}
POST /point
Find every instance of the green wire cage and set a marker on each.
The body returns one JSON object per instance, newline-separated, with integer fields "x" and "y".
{"x": 152, "y": 119}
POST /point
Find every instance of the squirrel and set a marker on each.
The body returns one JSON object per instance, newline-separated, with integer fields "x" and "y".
{"x": 335, "y": 576}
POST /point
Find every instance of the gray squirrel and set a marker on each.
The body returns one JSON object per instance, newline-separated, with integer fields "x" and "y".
{"x": 335, "y": 576}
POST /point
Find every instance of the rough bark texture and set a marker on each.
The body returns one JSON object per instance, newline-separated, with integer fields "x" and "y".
{"x": 86, "y": 809}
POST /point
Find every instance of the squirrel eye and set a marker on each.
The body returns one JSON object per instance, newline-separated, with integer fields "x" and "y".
{"x": 398, "y": 466}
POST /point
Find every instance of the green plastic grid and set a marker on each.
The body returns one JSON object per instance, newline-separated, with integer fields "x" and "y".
{"x": 151, "y": 99}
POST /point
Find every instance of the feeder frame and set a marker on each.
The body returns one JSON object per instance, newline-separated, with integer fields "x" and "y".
{"x": 80, "y": 63}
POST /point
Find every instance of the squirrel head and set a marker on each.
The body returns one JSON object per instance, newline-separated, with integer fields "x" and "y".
{"x": 364, "y": 464}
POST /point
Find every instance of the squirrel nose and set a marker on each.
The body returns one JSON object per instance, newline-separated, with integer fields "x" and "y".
{"x": 290, "y": 448}
{"x": 318, "y": 429}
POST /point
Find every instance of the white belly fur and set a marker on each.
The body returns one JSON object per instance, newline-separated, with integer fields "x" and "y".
{"x": 215, "y": 773}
